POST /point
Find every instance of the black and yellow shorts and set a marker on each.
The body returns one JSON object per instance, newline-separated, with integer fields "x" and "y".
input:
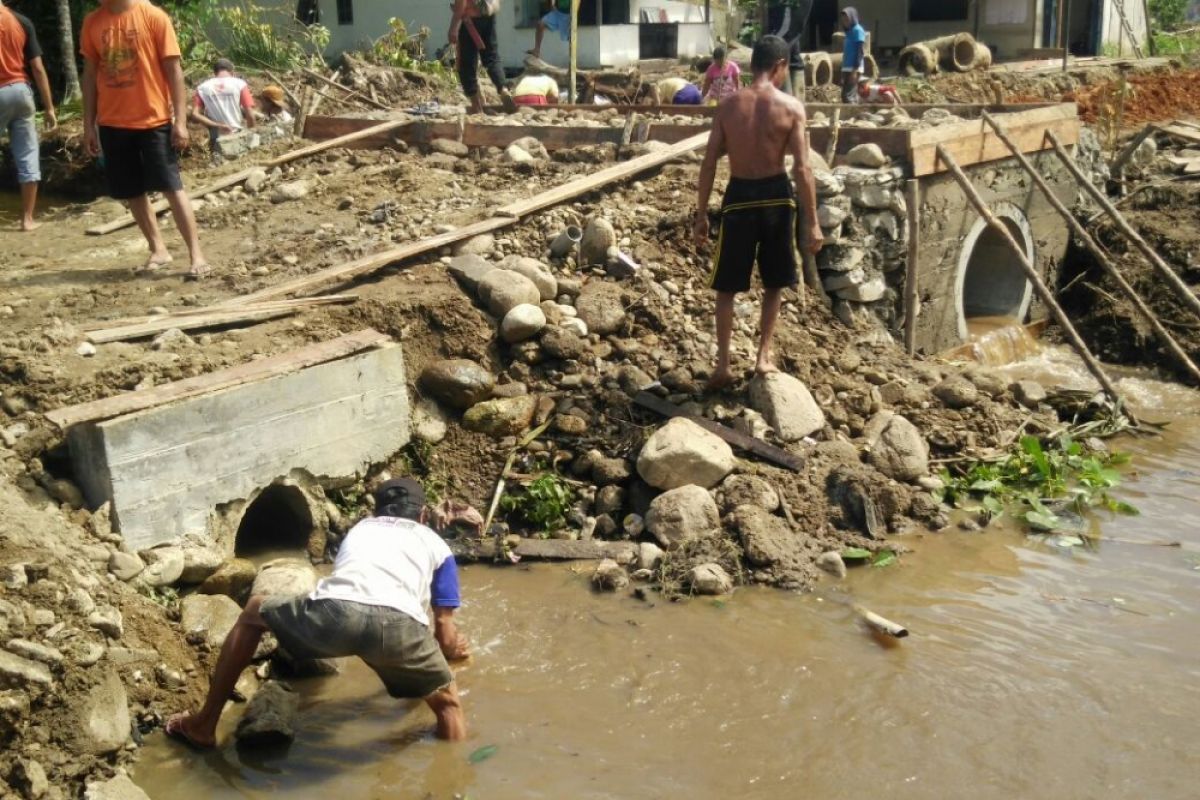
{"x": 758, "y": 222}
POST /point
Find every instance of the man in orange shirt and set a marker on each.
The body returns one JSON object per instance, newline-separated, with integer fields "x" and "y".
{"x": 19, "y": 49}
{"x": 135, "y": 109}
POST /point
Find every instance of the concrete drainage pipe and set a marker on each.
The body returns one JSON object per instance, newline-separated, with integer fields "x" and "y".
{"x": 989, "y": 281}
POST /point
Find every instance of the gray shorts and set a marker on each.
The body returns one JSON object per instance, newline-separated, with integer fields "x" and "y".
{"x": 17, "y": 119}
{"x": 400, "y": 649}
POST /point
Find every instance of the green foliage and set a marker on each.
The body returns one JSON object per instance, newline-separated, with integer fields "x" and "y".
{"x": 1184, "y": 43}
{"x": 398, "y": 48}
{"x": 1035, "y": 481}
{"x": 544, "y": 503}
{"x": 882, "y": 558}
{"x": 164, "y": 596}
{"x": 247, "y": 33}
{"x": 1168, "y": 14}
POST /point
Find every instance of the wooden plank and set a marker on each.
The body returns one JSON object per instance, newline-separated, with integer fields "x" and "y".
{"x": 552, "y": 137}
{"x": 214, "y": 319}
{"x": 280, "y": 364}
{"x": 305, "y": 302}
{"x": 913, "y": 109}
{"x": 161, "y": 206}
{"x": 941, "y": 134}
{"x": 544, "y": 549}
{"x": 981, "y": 144}
{"x": 737, "y": 439}
{"x": 1183, "y": 132}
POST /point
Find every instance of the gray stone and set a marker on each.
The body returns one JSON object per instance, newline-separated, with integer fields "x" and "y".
{"x": 606, "y": 471}
{"x": 16, "y": 671}
{"x": 256, "y": 180}
{"x": 108, "y": 621}
{"x": 609, "y": 576}
{"x": 610, "y": 499}
{"x": 79, "y": 601}
{"x": 598, "y": 236}
{"x": 678, "y": 515}
{"x": 747, "y": 490}
{"x": 479, "y": 245}
{"x": 867, "y": 292}
{"x": 533, "y": 146}
{"x": 601, "y": 305}
{"x": 844, "y": 280}
{"x": 458, "y": 382}
{"x": 681, "y": 453}
{"x": 787, "y": 405}
{"x": 270, "y": 716}
{"x": 118, "y": 788}
{"x": 535, "y": 271}
{"x": 831, "y": 561}
{"x": 828, "y": 184}
{"x": 766, "y": 539}
{"x": 504, "y": 416}
{"x": 649, "y": 555}
{"x": 12, "y": 619}
{"x": 104, "y": 716}
{"x": 515, "y": 154}
{"x": 1030, "y": 394}
{"x": 35, "y": 651}
{"x": 13, "y": 577}
{"x": 449, "y": 147}
{"x": 470, "y": 269}
{"x": 840, "y": 257}
{"x": 869, "y": 195}
{"x": 14, "y": 710}
{"x": 829, "y": 216}
{"x": 502, "y": 290}
{"x": 866, "y": 155}
{"x": 209, "y": 618}
{"x": 709, "y": 579}
{"x": 521, "y": 323}
{"x": 632, "y": 380}
{"x": 30, "y": 777}
{"x": 164, "y": 566}
{"x": 897, "y": 448}
{"x": 287, "y": 577}
{"x": 199, "y": 562}
{"x": 428, "y": 423}
{"x": 65, "y": 492}
{"x": 233, "y": 579}
{"x": 172, "y": 340}
{"x": 287, "y": 192}
{"x": 956, "y": 392}
{"x": 563, "y": 344}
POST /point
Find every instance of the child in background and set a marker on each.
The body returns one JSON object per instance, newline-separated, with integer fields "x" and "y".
{"x": 877, "y": 94}
{"x": 722, "y": 78}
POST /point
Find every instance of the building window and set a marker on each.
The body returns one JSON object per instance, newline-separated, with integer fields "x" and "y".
{"x": 345, "y": 12}
{"x": 937, "y": 10}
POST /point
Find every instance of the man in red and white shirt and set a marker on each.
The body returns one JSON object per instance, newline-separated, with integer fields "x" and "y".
{"x": 223, "y": 103}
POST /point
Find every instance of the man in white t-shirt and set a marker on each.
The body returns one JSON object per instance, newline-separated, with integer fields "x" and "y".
{"x": 223, "y": 103}
{"x": 536, "y": 90}
{"x": 389, "y": 568}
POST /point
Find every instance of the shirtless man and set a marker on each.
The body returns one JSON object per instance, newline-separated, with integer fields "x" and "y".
{"x": 757, "y": 128}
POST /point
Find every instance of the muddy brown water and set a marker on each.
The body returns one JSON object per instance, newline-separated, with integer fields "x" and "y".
{"x": 1032, "y": 671}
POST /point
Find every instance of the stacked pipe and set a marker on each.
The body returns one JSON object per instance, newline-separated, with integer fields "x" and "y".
{"x": 818, "y": 69}
{"x": 870, "y": 65}
{"x": 958, "y": 52}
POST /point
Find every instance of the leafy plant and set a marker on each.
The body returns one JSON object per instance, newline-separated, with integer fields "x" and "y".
{"x": 247, "y": 33}
{"x": 543, "y": 503}
{"x": 1038, "y": 484}
{"x": 165, "y": 596}
{"x": 404, "y": 50}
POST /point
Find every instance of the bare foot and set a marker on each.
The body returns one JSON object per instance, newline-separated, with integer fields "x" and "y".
{"x": 198, "y": 271}
{"x": 28, "y": 225}
{"x": 720, "y": 379}
{"x": 180, "y": 727}
{"x": 156, "y": 261}
{"x": 765, "y": 368}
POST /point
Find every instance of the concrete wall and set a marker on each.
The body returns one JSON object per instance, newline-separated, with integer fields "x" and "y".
{"x": 1114, "y": 40}
{"x": 1007, "y": 26}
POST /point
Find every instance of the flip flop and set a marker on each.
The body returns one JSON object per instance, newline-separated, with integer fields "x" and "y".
{"x": 173, "y": 730}
{"x": 198, "y": 272}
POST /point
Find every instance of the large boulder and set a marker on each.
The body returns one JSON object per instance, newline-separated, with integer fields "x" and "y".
{"x": 470, "y": 269}
{"x": 766, "y": 538}
{"x": 688, "y": 512}
{"x": 125, "y": 566}
{"x": 104, "y": 716}
{"x": 164, "y": 566}
{"x": 457, "y": 382}
{"x": 285, "y": 576}
{"x": 502, "y": 290}
{"x": 897, "y": 448}
{"x": 209, "y": 618}
{"x": 199, "y": 562}
{"x": 119, "y": 787}
{"x": 232, "y": 579}
{"x": 504, "y": 416}
{"x": 535, "y": 271}
{"x": 521, "y": 323}
{"x": 598, "y": 236}
{"x": 601, "y": 306}
{"x": 787, "y": 405}
{"x": 709, "y": 579}
{"x": 270, "y": 717}
{"x": 681, "y": 453}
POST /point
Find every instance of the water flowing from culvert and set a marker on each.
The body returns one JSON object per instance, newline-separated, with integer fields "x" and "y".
{"x": 996, "y": 341}
{"x": 1032, "y": 671}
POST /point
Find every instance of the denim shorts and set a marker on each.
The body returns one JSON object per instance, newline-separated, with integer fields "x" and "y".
{"x": 17, "y": 118}
{"x": 401, "y": 650}
{"x": 559, "y": 22}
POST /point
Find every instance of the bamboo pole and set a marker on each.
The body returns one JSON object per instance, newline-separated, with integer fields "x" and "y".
{"x": 831, "y": 147}
{"x": 573, "y": 63}
{"x": 1182, "y": 290}
{"x": 911, "y": 299}
{"x": 349, "y": 92}
{"x": 1090, "y": 243}
{"x": 1031, "y": 273}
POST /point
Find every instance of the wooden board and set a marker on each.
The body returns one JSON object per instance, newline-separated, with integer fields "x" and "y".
{"x": 974, "y": 142}
{"x": 281, "y": 364}
{"x": 183, "y": 313}
{"x": 913, "y": 109}
{"x": 544, "y": 549}
{"x": 165, "y": 469}
{"x": 213, "y": 319}
{"x": 737, "y": 439}
{"x": 1180, "y": 130}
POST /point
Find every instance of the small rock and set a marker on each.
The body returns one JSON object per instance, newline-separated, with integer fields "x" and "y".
{"x": 747, "y": 490}
{"x": 164, "y": 566}
{"x": 287, "y": 577}
{"x": 897, "y": 448}
{"x": 649, "y": 555}
{"x": 502, "y": 290}
{"x": 563, "y": 344}
{"x": 505, "y": 416}
{"x": 515, "y": 154}
{"x": 598, "y": 236}
{"x": 171, "y": 340}
{"x": 787, "y": 405}
{"x": 681, "y": 453}
{"x": 428, "y": 424}
{"x": 30, "y": 777}
{"x": 199, "y": 562}
{"x": 458, "y": 382}
{"x": 287, "y": 192}
{"x": 13, "y": 577}
{"x": 521, "y": 323}
{"x": 956, "y": 392}
{"x": 601, "y": 306}
{"x": 18, "y": 671}
{"x": 867, "y": 292}
{"x": 831, "y": 561}
{"x": 470, "y": 269}
{"x": 34, "y": 651}
{"x": 866, "y": 155}
{"x": 449, "y": 147}
{"x": 709, "y": 579}
{"x": 104, "y": 716}
{"x": 535, "y": 271}
{"x": 684, "y": 513}
{"x": 766, "y": 538}
{"x": 126, "y": 566}
{"x": 108, "y": 621}
{"x": 607, "y": 471}
{"x": 1030, "y": 394}
{"x": 86, "y": 349}
{"x": 208, "y": 617}
{"x": 610, "y": 576}
{"x": 270, "y": 717}
{"x": 570, "y": 424}
{"x": 256, "y": 180}
{"x": 233, "y": 579}
{"x": 479, "y": 245}
{"x": 118, "y": 788}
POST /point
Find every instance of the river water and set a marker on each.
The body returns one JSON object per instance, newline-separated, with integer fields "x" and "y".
{"x": 1030, "y": 672}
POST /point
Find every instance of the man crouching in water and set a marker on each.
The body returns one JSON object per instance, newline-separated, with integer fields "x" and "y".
{"x": 757, "y": 128}
{"x": 389, "y": 568}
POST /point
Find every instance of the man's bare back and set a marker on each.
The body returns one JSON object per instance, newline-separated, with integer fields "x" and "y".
{"x": 756, "y": 126}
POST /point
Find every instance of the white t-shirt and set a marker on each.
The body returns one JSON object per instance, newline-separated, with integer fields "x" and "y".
{"x": 223, "y": 99}
{"x": 536, "y": 86}
{"x": 386, "y": 561}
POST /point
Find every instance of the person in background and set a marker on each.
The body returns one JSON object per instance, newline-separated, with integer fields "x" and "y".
{"x": 135, "y": 108}
{"x": 536, "y": 90}
{"x": 274, "y": 105}
{"x": 19, "y": 50}
{"x": 473, "y": 33}
{"x": 722, "y": 79}
{"x": 788, "y": 19}
{"x": 758, "y": 128}
{"x": 223, "y": 103}
{"x": 557, "y": 19}
{"x": 672, "y": 91}
{"x": 877, "y": 93}
{"x": 853, "y": 54}
{"x": 388, "y": 570}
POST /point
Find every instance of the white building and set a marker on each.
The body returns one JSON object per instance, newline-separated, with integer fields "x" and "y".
{"x": 612, "y": 33}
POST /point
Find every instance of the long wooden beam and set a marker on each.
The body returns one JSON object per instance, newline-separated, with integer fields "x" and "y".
{"x": 973, "y": 142}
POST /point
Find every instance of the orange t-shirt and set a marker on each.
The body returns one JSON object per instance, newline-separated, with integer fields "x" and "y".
{"x": 18, "y": 46}
{"x": 127, "y": 50}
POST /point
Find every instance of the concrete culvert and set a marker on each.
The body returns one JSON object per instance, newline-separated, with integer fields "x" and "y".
{"x": 278, "y": 519}
{"x": 990, "y": 280}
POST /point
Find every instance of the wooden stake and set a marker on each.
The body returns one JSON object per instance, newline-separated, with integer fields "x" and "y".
{"x": 912, "y": 301}
{"x": 346, "y": 89}
{"x": 1182, "y": 290}
{"x": 831, "y": 148}
{"x": 1081, "y": 233}
{"x": 573, "y": 64}
{"x": 1031, "y": 273}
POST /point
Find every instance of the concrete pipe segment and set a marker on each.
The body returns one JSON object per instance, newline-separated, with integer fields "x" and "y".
{"x": 989, "y": 281}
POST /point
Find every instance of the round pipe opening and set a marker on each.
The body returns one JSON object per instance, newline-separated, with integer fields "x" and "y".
{"x": 991, "y": 281}
{"x": 277, "y": 520}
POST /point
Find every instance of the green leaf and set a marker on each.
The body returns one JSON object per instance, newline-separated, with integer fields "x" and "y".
{"x": 1121, "y": 507}
{"x": 993, "y": 506}
{"x": 855, "y": 553}
{"x": 992, "y": 485}
{"x": 884, "y": 558}
{"x": 1033, "y": 448}
{"x": 1041, "y": 520}
{"x": 483, "y": 753}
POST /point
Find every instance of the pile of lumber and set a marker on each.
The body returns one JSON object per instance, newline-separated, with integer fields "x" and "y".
{"x": 958, "y": 53}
